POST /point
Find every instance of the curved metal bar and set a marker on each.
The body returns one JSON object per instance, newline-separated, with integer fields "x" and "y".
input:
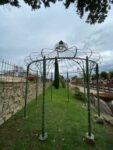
{"x": 90, "y": 54}
{"x": 82, "y": 68}
{"x": 75, "y": 50}
{"x": 84, "y": 76}
{"x": 45, "y": 49}
{"x": 76, "y": 58}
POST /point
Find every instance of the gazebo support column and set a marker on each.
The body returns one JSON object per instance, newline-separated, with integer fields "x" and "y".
{"x": 89, "y": 137}
{"x": 43, "y": 136}
{"x": 84, "y": 76}
{"x": 99, "y": 118}
{"x": 26, "y": 93}
{"x": 51, "y": 86}
{"x": 36, "y": 87}
{"x": 67, "y": 87}
{"x": 97, "y": 75}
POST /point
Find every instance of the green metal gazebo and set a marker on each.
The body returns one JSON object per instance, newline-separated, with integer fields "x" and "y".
{"x": 69, "y": 59}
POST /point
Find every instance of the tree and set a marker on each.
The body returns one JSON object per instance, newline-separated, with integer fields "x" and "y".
{"x": 111, "y": 74}
{"x": 104, "y": 75}
{"x": 95, "y": 10}
{"x": 11, "y": 2}
{"x": 56, "y": 77}
{"x": 74, "y": 77}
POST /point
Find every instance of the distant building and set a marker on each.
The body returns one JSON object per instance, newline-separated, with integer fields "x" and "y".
{"x": 17, "y": 71}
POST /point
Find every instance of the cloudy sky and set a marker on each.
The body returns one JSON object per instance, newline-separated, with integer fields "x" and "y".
{"x": 23, "y": 31}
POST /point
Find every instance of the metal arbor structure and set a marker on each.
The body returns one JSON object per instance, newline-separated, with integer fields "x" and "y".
{"x": 69, "y": 58}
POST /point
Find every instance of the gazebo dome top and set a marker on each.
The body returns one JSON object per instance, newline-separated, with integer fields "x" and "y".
{"x": 61, "y": 46}
{"x": 61, "y": 42}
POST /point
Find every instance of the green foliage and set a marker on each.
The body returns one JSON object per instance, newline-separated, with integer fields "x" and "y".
{"x": 79, "y": 95}
{"x": 104, "y": 75}
{"x": 74, "y": 77}
{"x": 111, "y": 74}
{"x": 95, "y": 10}
{"x": 56, "y": 77}
{"x": 11, "y": 2}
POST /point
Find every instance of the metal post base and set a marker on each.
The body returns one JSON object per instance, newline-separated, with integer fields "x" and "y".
{"x": 89, "y": 139}
{"x": 26, "y": 117}
{"x": 43, "y": 138}
{"x": 84, "y": 106}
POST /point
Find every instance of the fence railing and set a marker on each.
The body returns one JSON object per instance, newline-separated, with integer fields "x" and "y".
{"x": 10, "y": 72}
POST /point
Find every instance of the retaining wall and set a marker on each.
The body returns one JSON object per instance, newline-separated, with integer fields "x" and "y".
{"x": 12, "y": 97}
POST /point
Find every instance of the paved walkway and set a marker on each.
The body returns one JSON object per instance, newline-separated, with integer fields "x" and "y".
{"x": 82, "y": 89}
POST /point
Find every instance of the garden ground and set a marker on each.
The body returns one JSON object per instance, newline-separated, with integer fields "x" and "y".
{"x": 66, "y": 124}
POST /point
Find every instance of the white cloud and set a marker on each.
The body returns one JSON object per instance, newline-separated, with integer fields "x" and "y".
{"x": 23, "y": 31}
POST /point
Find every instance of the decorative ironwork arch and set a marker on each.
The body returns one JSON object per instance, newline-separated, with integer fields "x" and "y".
{"x": 87, "y": 60}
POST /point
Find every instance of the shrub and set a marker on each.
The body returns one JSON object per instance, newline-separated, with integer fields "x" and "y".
{"x": 79, "y": 95}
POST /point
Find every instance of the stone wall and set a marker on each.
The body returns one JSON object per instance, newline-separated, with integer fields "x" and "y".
{"x": 12, "y": 97}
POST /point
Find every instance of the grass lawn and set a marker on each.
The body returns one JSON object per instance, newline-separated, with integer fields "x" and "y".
{"x": 66, "y": 124}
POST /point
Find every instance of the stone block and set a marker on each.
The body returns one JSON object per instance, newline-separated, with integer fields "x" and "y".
{"x": 12, "y": 98}
{"x": 1, "y": 106}
{"x": 5, "y": 106}
{"x": 12, "y": 110}
{"x": 7, "y": 117}
{"x": 11, "y": 102}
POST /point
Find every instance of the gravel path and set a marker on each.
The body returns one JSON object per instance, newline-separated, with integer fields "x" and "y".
{"x": 82, "y": 89}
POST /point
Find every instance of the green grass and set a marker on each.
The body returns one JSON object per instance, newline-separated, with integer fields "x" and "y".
{"x": 66, "y": 124}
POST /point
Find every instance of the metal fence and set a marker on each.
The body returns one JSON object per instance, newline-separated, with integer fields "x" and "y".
{"x": 11, "y": 73}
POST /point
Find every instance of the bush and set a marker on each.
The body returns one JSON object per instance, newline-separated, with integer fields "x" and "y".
{"x": 79, "y": 95}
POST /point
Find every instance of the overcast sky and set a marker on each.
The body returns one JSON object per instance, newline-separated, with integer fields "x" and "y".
{"x": 23, "y": 31}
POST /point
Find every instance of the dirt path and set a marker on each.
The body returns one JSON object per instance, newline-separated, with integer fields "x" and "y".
{"x": 82, "y": 89}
